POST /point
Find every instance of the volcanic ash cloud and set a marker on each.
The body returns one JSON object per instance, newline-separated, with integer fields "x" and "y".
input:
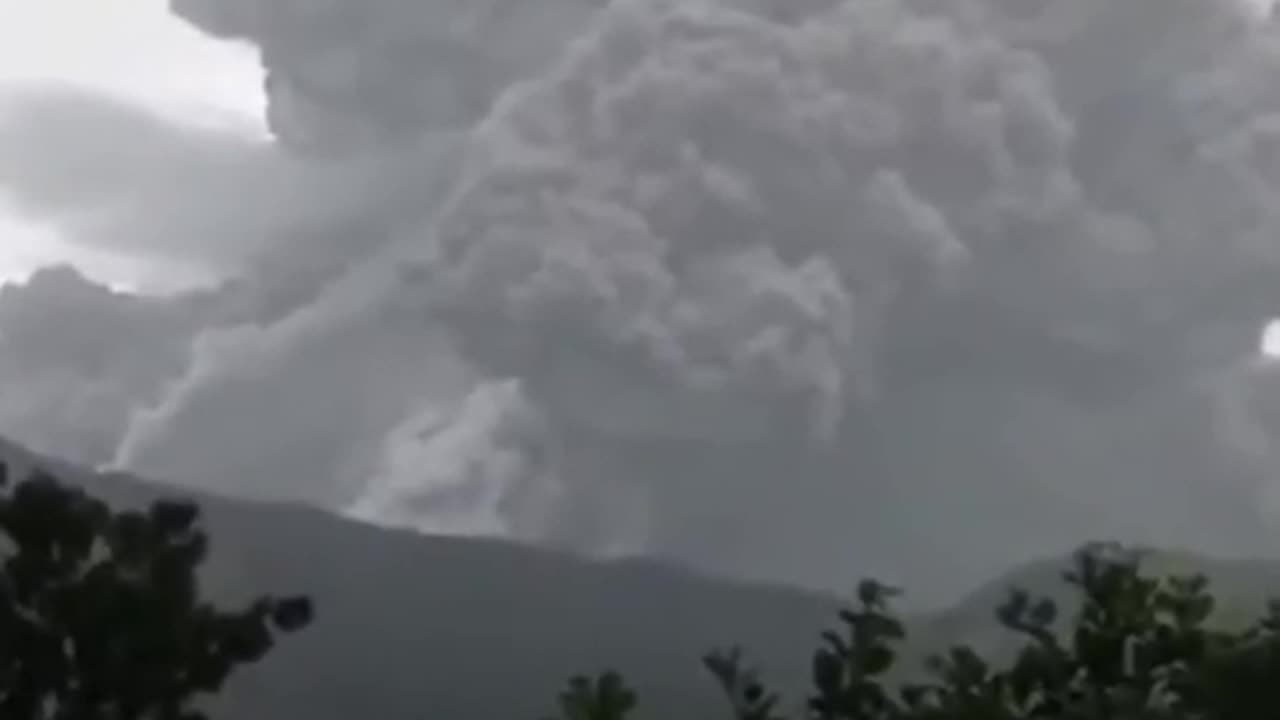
{"x": 790, "y": 290}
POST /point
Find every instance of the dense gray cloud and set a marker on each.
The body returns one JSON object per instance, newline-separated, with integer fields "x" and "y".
{"x": 791, "y": 290}
{"x": 345, "y": 76}
{"x": 113, "y": 177}
{"x": 295, "y": 407}
{"x": 78, "y": 359}
{"x": 474, "y": 467}
{"x": 272, "y": 235}
{"x": 712, "y": 226}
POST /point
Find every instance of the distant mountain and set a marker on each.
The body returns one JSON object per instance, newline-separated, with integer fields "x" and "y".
{"x": 418, "y": 627}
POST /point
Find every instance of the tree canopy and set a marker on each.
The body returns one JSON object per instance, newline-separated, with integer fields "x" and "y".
{"x": 101, "y": 614}
{"x": 1137, "y": 648}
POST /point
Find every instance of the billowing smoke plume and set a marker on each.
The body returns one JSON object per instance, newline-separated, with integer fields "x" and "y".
{"x": 792, "y": 290}
{"x": 77, "y": 358}
{"x": 345, "y": 76}
{"x": 896, "y": 248}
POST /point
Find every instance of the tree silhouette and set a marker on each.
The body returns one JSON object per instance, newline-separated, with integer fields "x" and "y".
{"x": 101, "y": 616}
{"x": 602, "y": 698}
{"x": 1138, "y": 648}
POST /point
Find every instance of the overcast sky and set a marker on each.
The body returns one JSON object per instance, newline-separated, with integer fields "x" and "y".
{"x": 131, "y": 49}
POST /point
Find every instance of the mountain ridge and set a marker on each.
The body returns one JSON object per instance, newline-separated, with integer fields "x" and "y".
{"x": 410, "y": 625}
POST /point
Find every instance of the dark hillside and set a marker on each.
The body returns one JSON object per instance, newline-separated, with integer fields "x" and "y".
{"x": 411, "y": 626}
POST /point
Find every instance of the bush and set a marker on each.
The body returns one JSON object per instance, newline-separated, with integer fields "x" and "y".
{"x": 1138, "y": 648}
{"x": 101, "y": 616}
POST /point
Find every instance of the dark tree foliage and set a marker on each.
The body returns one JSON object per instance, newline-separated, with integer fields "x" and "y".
{"x": 101, "y": 616}
{"x": 1138, "y": 648}
{"x": 603, "y": 698}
